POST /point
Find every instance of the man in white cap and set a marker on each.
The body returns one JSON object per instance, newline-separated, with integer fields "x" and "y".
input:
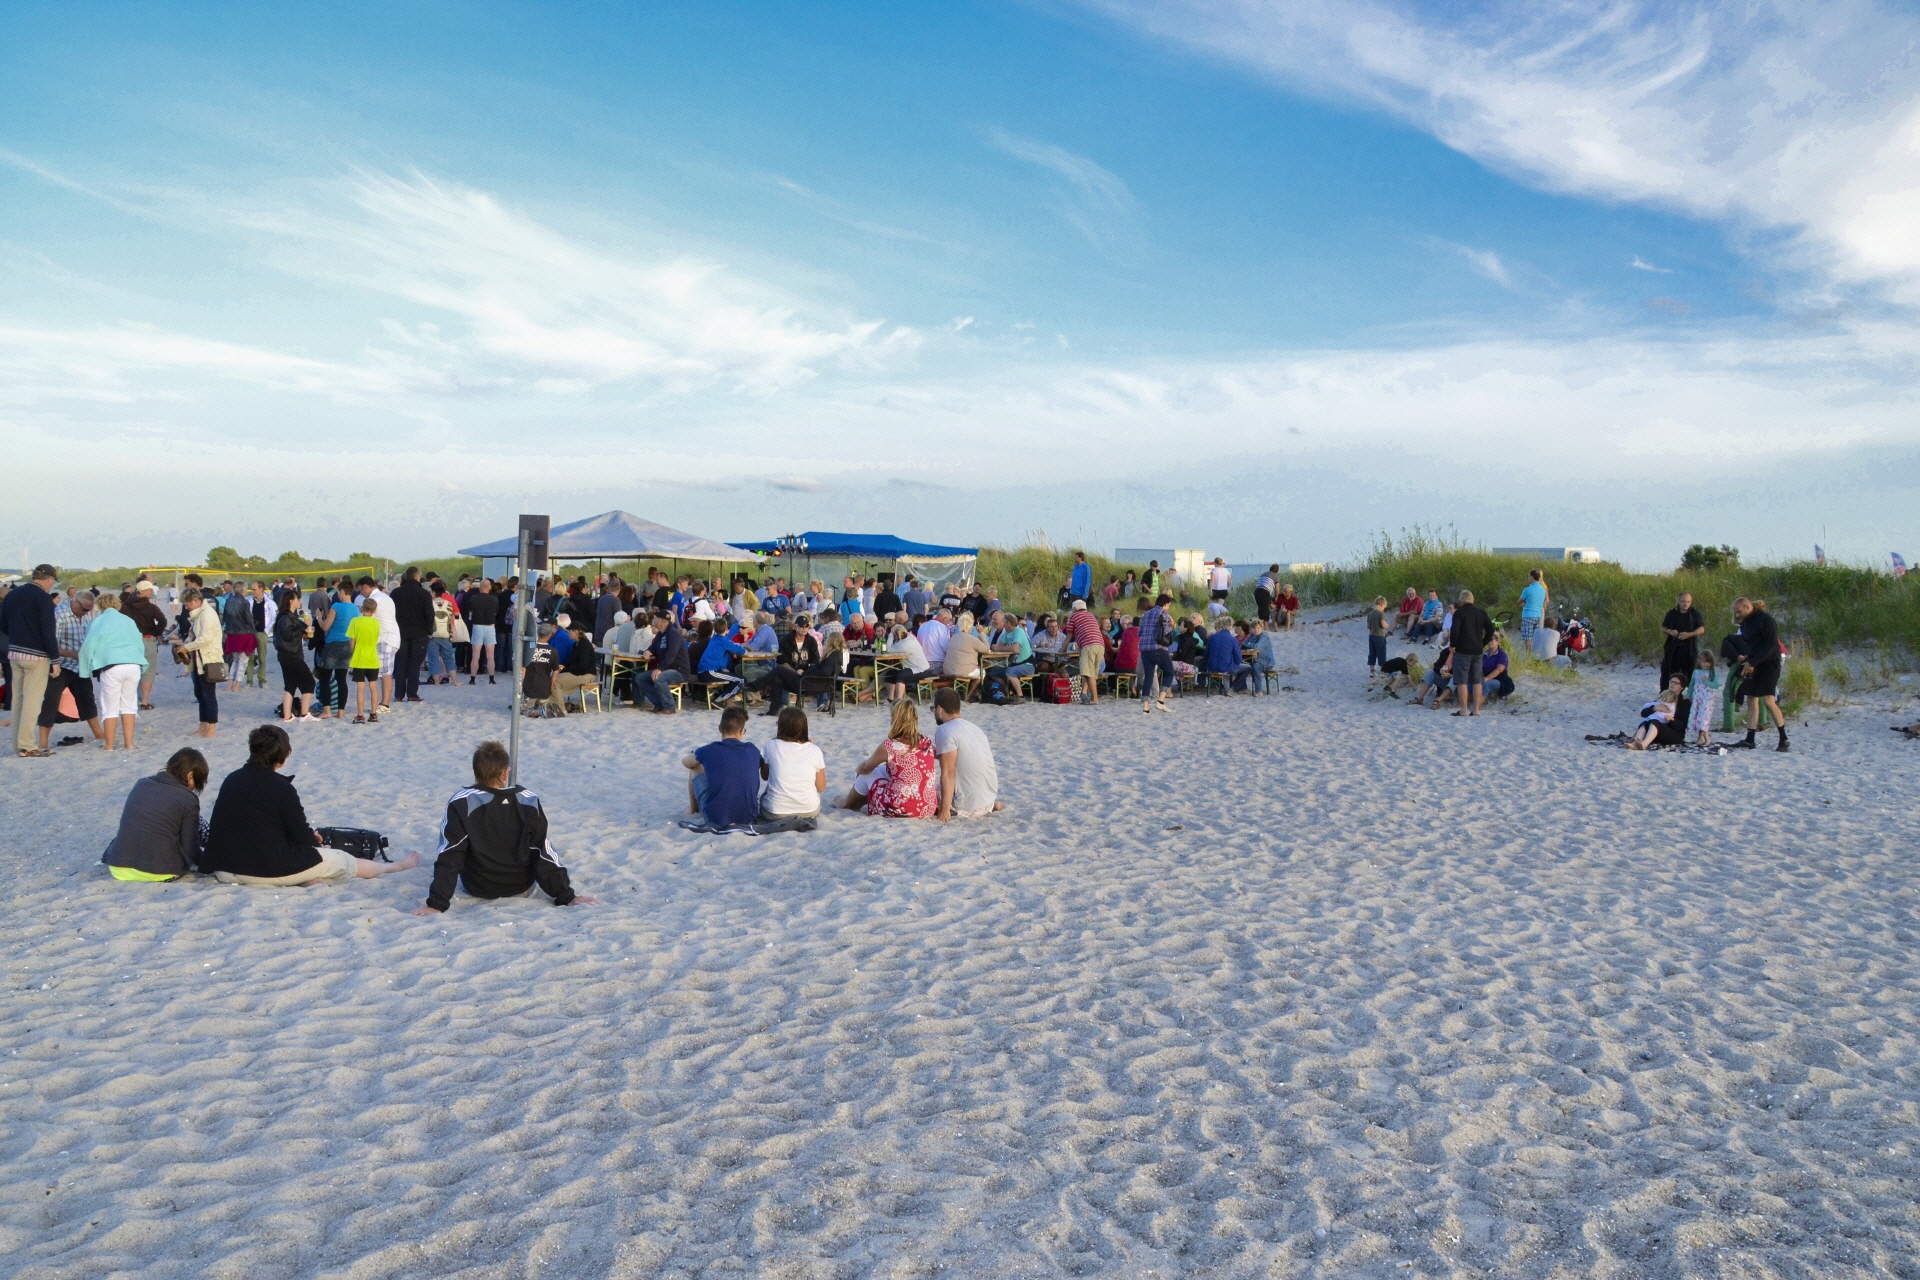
{"x": 1084, "y": 629}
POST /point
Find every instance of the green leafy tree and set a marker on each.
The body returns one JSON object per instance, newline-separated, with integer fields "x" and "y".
{"x": 224, "y": 558}
{"x": 1702, "y": 556}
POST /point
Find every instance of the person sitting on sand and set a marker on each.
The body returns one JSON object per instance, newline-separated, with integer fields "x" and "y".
{"x": 723, "y": 782}
{"x": 969, "y": 781}
{"x": 794, "y": 769}
{"x": 901, "y": 779}
{"x": 160, "y": 833}
{"x": 258, "y": 834}
{"x": 1496, "y": 678}
{"x": 1658, "y": 727}
{"x": 493, "y": 841}
{"x": 1408, "y": 613}
{"x": 1436, "y": 679}
{"x": 1405, "y": 669}
{"x": 1287, "y": 606}
{"x": 1431, "y": 620}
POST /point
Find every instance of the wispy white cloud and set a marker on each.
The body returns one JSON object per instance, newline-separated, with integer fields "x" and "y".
{"x": 1779, "y": 115}
{"x": 1091, "y": 198}
{"x": 535, "y": 303}
{"x": 1484, "y": 261}
{"x": 1641, "y": 264}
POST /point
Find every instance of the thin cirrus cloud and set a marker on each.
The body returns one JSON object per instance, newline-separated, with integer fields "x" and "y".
{"x": 1089, "y": 197}
{"x": 1484, "y": 261}
{"x": 495, "y": 302}
{"x": 1641, "y": 264}
{"x": 1794, "y": 117}
{"x": 551, "y": 310}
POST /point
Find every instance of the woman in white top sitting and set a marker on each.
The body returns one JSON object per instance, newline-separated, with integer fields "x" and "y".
{"x": 899, "y": 680}
{"x": 795, "y": 770}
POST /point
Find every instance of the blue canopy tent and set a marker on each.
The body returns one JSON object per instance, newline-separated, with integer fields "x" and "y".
{"x": 933, "y": 564}
{"x": 617, "y": 535}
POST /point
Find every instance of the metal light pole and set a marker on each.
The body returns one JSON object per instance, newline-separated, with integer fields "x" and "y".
{"x": 519, "y": 621}
{"x": 534, "y": 532}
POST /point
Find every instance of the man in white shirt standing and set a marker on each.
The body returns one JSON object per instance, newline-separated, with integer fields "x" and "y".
{"x": 389, "y": 642}
{"x": 1220, "y": 581}
{"x": 969, "y": 781}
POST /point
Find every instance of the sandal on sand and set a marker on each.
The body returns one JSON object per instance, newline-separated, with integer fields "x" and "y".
{"x": 71, "y": 742}
{"x": 359, "y": 719}
{"x": 373, "y": 718}
{"x": 146, "y": 706}
{"x": 37, "y": 753}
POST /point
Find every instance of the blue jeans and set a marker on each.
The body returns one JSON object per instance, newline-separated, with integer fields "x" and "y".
{"x": 206, "y": 692}
{"x": 1152, "y": 661}
{"x": 657, "y": 686}
{"x": 439, "y": 657}
{"x": 1376, "y": 651}
{"x": 1019, "y": 671}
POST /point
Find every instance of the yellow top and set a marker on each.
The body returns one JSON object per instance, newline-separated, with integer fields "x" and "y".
{"x": 364, "y": 632}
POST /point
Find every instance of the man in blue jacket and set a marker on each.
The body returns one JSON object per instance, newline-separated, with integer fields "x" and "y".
{"x": 33, "y": 654}
{"x": 670, "y": 666}
{"x": 1080, "y": 585}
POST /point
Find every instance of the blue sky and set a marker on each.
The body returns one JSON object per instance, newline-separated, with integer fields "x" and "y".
{"x": 1255, "y": 277}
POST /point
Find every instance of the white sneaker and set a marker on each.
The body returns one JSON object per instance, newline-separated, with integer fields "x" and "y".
{"x": 385, "y": 710}
{"x": 309, "y": 719}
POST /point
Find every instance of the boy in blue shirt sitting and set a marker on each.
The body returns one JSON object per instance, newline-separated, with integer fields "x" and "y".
{"x": 723, "y": 783}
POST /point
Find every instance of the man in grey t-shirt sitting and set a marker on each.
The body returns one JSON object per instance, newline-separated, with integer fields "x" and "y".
{"x": 969, "y": 782}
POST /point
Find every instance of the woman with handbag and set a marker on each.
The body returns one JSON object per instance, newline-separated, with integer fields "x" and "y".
{"x": 202, "y": 650}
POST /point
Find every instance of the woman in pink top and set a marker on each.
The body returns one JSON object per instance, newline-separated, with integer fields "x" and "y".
{"x": 901, "y": 779}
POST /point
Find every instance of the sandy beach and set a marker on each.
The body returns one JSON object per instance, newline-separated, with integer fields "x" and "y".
{"x": 1304, "y": 985}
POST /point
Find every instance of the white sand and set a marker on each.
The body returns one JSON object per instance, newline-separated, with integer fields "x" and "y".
{"x": 1306, "y": 985}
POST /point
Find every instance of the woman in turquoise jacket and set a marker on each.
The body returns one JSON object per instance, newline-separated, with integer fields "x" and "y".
{"x": 115, "y": 655}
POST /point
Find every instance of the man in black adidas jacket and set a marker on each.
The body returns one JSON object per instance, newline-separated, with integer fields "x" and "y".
{"x": 494, "y": 841}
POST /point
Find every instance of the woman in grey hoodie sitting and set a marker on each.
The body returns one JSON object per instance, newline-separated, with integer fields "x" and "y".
{"x": 160, "y": 834}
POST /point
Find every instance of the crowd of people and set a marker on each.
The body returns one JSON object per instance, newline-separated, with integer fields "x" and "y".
{"x": 774, "y": 642}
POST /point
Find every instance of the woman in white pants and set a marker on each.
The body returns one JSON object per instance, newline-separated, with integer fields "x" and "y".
{"x": 116, "y": 657}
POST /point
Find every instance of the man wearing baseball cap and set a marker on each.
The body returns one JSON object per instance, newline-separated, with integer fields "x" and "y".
{"x": 138, "y": 605}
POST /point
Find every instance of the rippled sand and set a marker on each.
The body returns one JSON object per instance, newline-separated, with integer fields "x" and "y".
{"x": 1303, "y": 985}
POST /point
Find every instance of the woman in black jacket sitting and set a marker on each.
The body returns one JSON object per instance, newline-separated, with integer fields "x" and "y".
{"x": 259, "y": 833}
{"x": 799, "y": 652}
{"x": 160, "y": 833}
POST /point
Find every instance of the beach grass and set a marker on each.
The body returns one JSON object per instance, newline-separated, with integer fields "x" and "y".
{"x": 1819, "y": 608}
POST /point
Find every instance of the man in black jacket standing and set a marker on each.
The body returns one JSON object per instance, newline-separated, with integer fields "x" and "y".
{"x": 1472, "y": 629}
{"x": 413, "y": 610}
{"x": 1760, "y": 667}
{"x": 33, "y": 653}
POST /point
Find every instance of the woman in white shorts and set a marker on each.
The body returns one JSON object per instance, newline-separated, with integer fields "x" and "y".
{"x": 116, "y": 657}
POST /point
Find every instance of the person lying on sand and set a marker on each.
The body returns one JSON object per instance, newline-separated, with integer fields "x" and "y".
{"x": 258, "y": 834}
{"x": 493, "y": 842}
